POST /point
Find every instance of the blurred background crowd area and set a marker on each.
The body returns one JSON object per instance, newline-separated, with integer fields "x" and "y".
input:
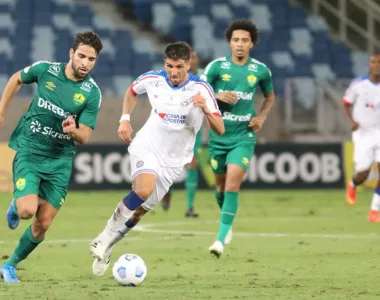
{"x": 313, "y": 47}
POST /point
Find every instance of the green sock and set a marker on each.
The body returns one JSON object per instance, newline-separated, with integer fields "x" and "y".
{"x": 227, "y": 214}
{"x": 191, "y": 185}
{"x": 26, "y": 245}
{"x": 219, "y": 199}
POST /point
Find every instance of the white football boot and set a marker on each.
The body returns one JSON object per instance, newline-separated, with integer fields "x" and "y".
{"x": 216, "y": 249}
{"x": 99, "y": 267}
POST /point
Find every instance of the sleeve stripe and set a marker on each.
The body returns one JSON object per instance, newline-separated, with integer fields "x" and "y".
{"x": 210, "y": 93}
{"x": 145, "y": 77}
{"x": 346, "y": 102}
{"x": 132, "y": 90}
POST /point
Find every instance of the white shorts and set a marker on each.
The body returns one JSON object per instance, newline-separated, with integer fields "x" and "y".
{"x": 165, "y": 176}
{"x": 366, "y": 149}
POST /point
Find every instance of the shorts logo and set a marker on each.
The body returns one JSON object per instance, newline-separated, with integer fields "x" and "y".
{"x": 245, "y": 161}
{"x": 20, "y": 184}
{"x": 214, "y": 164}
{"x": 139, "y": 164}
{"x": 62, "y": 201}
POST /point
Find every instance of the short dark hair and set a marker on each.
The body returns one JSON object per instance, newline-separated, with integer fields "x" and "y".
{"x": 246, "y": 25}
{"x": 88, "y": 38}
{"x": 178, "y": 50}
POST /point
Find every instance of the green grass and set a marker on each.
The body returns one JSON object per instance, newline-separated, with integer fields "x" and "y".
{"x": 287, "y": 245}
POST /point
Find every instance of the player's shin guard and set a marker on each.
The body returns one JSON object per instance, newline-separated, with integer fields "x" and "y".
{"x": 219, "y": 199}
{"x": 191, "y": 185}
{"x": 26, "y": 246}
{"x": 228, "y": 213}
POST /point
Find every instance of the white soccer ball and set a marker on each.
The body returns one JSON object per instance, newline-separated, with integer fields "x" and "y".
{"x": 129, "y": 270}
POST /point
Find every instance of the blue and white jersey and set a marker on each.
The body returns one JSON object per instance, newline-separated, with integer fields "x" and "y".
{"x": 173, "y": 124}
{"x": 364, "y": 96}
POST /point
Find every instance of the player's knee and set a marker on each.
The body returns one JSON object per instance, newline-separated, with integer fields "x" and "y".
{"x": 42, "y": 226}
{"x": 232, "y": 187}
{"x": 362, "y": 176}
{"x": 143, "y": 193}
{"x": 25, "y": 211}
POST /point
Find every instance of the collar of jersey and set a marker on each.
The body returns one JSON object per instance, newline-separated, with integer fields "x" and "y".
{"x": 230, "y": 60}
{"x": 180, "y": 86}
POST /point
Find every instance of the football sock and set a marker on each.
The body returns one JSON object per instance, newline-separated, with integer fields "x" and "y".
{"x": 26, "y": 246}
{"x": 191, "y": 185}
{"x": 227, "y": 214}
{"x": 375, "y": 204}
{"x": 219, "y": 199}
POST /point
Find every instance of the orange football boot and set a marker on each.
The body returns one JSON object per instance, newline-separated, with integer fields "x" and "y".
{"x": 351, "y": 194}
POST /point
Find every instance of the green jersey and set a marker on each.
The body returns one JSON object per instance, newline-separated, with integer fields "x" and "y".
{"x": 39, "y": 131}
{"x": 223, "y": 75}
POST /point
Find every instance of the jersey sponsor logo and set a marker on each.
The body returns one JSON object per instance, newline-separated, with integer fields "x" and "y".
{"x": 251, "y": 80}
{"x": 79, "y": 99}
{"x": 26, "y": 69}
{"x": 242, "y": 95}
{"x": 50, "y": 85}
{"x": 372, "y": 106}
{"x": 172, "y": 118}
{"x": 36, "y": 127}
{"x": 52, "y": 107}
{"x": 235, "y": 118}
{"x": 20, "y": 184}
{"x": 252, "y": 67}
{"x": 225, "y": 65}
{"x": 54, "y": 69}
{"x": 226, "y": 77}
{"x": 86, "y": 86}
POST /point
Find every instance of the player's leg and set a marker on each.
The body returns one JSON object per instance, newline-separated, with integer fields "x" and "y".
{"x": 237, "y": 164}
{"x": 191, "y": 185}
{"x": 218, "y": 157}
{"x": 363, "y": 158}
{"x": 165, "y": 203}
{"x": 374, "y": 215}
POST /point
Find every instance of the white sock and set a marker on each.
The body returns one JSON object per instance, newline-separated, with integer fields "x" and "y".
{"x": 115, "y": 224}
{"x": 375, "y": 204}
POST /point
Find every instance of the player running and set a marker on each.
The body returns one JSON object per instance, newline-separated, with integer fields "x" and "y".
{"x": 164, "y": 145}
{"x": 64, "y": 109}
{"x": 363, "y": 96}
{"x": 191, "y": 183}
{"x": 234, "y": 79}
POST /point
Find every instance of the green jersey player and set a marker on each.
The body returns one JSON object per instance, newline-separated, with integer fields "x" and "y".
{"x": 64, "y": 109}
{"x": 235, "y": 79}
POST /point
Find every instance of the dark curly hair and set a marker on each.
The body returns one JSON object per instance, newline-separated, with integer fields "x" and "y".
{"x": 88, "y": 38}
{"x": 178, "y": 50}
{"x": 246, "y": 25}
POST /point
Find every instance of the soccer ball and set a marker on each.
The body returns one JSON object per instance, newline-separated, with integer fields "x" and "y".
{"x": 129, "y": 270}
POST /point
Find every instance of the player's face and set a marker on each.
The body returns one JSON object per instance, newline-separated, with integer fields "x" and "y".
{"x": 240, "y": 43}
{"x": 177, "y": 70}
{"x": 194, "y": 62}
{"x": 374, "y": 65}
{"x": 82, "y": 60}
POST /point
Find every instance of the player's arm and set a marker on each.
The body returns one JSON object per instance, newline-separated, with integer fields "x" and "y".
{"x": 348, "y": 99}
{"x": 80, "y": 134}
{"x": 205, "y": 99}
{"x": 266, "y": 86}
{"x": 12, "y": 87}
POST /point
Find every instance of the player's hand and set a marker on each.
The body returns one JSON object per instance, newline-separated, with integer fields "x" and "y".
{"x": 227, "y": 97}
{"x": 199, "y": 101}
{"x": 256, "y": 123}
{"x": 125, "y": 131}
{"x": 355, "y": 126}
{"x": 69, "y": 125}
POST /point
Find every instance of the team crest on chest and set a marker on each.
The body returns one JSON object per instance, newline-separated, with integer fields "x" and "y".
{"x": 251, "y": 80}
{"x": 79, "y": 99}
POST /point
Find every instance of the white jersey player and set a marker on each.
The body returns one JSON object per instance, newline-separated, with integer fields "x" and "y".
{"x": 163, "y": 146}
{"x": 362, "y": 108}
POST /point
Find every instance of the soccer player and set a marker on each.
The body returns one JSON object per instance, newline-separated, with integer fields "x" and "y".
{"x": 191, "y": 182}
{"x": 234, "y": 79}
{"x": 363, "y": 97}
{"x": 64, "y": 109}
{"x": 163, "y": 146}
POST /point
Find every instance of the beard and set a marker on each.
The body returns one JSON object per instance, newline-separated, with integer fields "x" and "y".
{"x": 76, "y": 72}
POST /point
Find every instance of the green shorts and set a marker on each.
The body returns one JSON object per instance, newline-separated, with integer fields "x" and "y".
{"x": 238, "y": 154}
{"x": 45, "y": 176}
{"x": 198, "y": 143}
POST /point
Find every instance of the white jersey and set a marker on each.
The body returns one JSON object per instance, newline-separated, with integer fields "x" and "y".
{"x": 173, "y": 123}
{"x": 364, "y": 96}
